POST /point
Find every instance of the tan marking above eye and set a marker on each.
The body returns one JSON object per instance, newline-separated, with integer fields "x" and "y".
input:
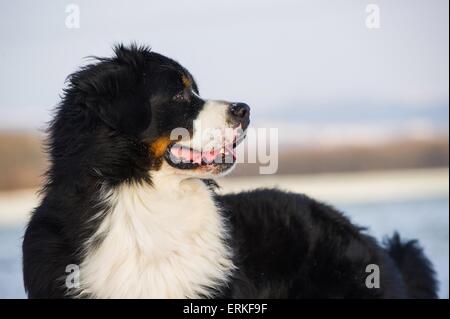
{"x": 186, "y": 81}
{"x": 179, "y": 96}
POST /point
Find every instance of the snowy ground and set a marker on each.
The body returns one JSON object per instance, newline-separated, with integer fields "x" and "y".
{"x": 414, "y": 203}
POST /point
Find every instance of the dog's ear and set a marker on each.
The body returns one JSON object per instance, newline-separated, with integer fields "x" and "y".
{"x": 115, "y": 91}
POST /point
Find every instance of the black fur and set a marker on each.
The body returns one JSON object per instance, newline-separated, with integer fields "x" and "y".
{"x": 416, "y": 269}
{"x": 290, "y": 246}
{"x": 286, "y": 245}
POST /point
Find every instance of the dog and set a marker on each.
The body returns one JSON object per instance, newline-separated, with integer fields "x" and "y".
{"x": 134, "y": 211}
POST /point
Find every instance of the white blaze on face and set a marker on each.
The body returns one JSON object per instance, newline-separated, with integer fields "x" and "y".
{"x": 210, "y": 127}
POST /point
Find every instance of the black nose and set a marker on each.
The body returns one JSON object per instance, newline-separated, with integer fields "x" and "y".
{"x": 240, "y": 112}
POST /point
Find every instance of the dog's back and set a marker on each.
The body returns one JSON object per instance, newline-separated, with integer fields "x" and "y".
{"x": 292, "y": 246}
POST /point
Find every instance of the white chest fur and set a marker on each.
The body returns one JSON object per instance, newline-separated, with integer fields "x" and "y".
{"x": 161, "y": 241}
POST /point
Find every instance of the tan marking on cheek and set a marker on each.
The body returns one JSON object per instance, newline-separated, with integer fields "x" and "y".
{"x": 186, "y": 81}
{"x": 159, "y": 146}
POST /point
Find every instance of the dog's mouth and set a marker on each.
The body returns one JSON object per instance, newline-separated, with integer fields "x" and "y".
{"x": 220, "y": 157}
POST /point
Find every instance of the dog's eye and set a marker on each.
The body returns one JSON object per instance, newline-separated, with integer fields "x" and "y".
{"x": 181, "y": 96}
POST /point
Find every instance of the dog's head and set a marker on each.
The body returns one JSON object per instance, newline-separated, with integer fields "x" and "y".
{"x": 153, "y": 101}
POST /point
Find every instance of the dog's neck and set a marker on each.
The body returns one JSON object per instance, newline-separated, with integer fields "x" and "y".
{"x": 165, "y": 240}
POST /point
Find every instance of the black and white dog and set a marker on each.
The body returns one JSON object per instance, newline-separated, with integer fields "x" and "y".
{"x": 137, "y": 211}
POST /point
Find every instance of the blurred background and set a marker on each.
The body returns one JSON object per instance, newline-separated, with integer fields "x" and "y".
{"x": 362, "y": 113}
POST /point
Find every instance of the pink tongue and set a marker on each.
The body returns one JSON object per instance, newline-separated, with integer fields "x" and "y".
{"x": 187, "y": 154}
{"x": 183, "y": 153}
{"x": 210, "y": 156}
{"x": 231, "y": 150}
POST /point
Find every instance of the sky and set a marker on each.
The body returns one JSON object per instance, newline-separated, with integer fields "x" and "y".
{"x": 296, "y": 63}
